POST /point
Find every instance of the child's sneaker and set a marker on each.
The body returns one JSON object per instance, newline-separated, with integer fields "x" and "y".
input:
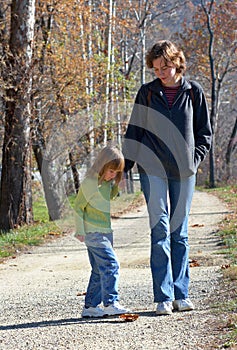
{"x": 92, "y": 312}
{"x": 164, "y": 308}
{"x": 183, "y": 305}
{"x": 115, "y": 309}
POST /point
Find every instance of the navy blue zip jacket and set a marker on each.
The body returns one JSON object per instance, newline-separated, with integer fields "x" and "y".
{"x": 168, "y": 142}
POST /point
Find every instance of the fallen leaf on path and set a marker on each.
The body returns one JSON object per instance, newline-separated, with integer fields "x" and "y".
{"x": 224, "y": 267}
{"x": 129, "y": 317}
{"x": 81, "y": 294}
{"x": 53, "y": 233}
{"x": 194, "y": 263}
{"x": 197, "y": 225}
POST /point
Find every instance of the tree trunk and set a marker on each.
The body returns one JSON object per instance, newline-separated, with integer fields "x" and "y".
{"x": 53, "y": 189}
{"x": 231, "y": 145}
{"x": 52, "y": 184}
{"x": 55, "y": 193}
{"x": 16, "y": 197}
{"x": 75, "y": 174}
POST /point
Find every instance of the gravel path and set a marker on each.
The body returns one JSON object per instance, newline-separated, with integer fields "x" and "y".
{"x": 40, "y": 307}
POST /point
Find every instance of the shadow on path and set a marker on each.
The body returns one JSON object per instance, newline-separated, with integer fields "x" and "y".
{"x": 69, "y": 321}
{"x": 211, "y": 213}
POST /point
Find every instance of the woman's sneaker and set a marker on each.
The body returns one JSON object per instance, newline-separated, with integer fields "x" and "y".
{"x": 183, "y": 305}
{"x": 164, "y": 308}
{"x": 92, "y": 312}
{"x": 115, "y": 309}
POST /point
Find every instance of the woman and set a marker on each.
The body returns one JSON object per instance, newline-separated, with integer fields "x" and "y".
{"x": 168, "y": 135}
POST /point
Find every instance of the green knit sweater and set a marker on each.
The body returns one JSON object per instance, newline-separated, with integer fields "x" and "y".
{"x": 92, "y": 206}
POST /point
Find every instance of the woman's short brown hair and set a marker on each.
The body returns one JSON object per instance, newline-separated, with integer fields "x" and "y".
{"x": 169, "y": 52}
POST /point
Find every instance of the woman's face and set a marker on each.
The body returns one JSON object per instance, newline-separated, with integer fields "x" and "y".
{"x": 166, "y": 72}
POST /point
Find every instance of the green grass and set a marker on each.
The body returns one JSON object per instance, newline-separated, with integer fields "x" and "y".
{"x": 40, "y": 210}
{"x": 228, "y": 234}
{"x": 22, "y": 238}
{"x": 228, "y": 227}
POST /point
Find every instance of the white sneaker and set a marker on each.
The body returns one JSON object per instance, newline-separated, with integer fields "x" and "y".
{"x": 183, "y": 305}
{"x": 164, "y": 308}
{"x": 115, "y": 309}
{"x": 92, "y": 312}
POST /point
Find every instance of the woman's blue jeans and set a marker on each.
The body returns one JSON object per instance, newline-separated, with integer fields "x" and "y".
{"x": 168, "y": 202}
{"x": 103, "y": 283}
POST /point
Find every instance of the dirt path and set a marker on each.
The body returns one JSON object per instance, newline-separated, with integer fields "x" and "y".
{"x": 40, "y": 306}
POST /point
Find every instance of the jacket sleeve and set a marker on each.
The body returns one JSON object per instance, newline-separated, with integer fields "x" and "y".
{"x": 135, "y": 130}
{"x": 202, "y": 126}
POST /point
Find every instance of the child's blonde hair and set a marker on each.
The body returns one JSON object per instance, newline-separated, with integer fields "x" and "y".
{"x": 108, "y": 158}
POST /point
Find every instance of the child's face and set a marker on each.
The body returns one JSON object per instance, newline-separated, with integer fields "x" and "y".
{"x": 110, "y": 174}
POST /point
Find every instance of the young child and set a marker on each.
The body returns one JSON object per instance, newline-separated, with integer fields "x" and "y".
{"x": 93, "y": 226}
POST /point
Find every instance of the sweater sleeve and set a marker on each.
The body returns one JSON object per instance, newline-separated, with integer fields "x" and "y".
{"x": 82, "y": 199}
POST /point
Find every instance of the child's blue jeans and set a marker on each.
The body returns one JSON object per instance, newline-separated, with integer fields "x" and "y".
{"x": 103, "y": 283}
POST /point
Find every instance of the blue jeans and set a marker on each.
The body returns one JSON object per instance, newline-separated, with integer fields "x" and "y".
{"x": 168, "y": 203}
{"x": 103, "y": 283}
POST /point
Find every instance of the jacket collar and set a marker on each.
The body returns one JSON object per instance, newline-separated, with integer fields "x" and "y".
{"x": 156, "y": 85}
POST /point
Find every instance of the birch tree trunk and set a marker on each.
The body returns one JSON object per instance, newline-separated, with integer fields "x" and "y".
{"x": 90, "y": 85}
{"x": 142, "y": 17}
{"x": 107, "y": 97}
{"x": 16, "y": 197}
{"x": 86, "y": 47}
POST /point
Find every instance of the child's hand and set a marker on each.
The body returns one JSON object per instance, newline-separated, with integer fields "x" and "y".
{"x": 80, "y": 238}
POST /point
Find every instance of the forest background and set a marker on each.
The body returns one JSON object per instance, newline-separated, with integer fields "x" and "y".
{"x": 70, "y": 70}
